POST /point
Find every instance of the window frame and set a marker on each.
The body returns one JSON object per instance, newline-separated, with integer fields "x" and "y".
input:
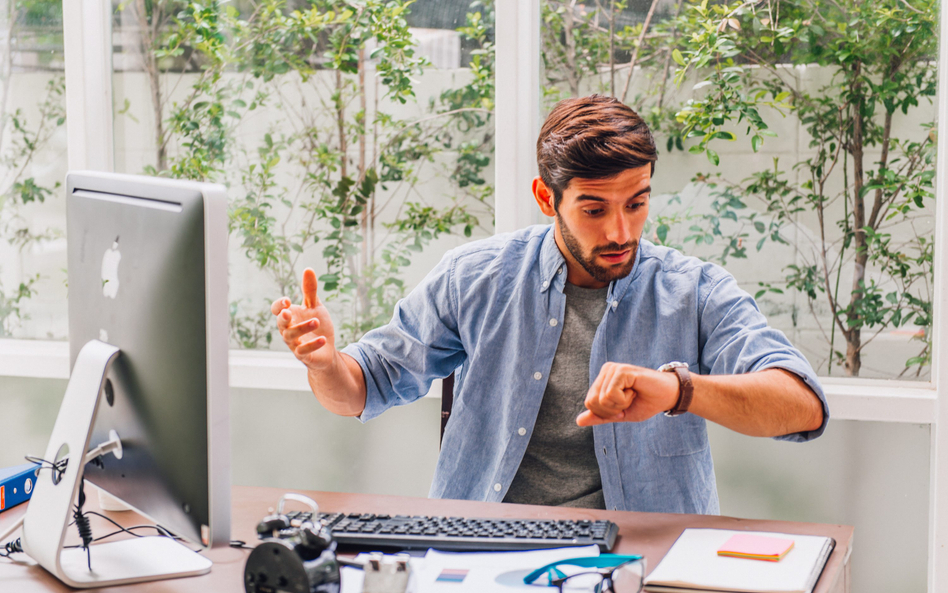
{"x": 90, "y": 146}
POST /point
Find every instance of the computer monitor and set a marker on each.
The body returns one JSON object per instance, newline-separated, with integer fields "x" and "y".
{"x": 148, "y": 275}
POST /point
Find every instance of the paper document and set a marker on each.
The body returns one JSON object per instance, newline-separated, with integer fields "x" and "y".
{"x": 692, "y": 564}
{"x": 473, "y": 572}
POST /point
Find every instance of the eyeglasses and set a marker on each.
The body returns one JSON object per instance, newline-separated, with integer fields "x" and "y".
{"x": 612, "y": 574}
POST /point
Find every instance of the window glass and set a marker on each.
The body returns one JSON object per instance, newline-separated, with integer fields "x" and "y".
{"x": 796, "y": 147}
{"x": 32, "y": 166}
{"x": 355, "y": 138}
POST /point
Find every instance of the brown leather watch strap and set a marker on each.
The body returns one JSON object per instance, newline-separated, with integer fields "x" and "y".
{"x": 686, "y": 392}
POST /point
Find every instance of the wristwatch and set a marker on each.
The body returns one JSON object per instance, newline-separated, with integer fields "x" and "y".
{"x": 686, "y": 389}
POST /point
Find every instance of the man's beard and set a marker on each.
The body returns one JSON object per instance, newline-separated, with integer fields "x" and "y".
{"x": 599, "y": 273}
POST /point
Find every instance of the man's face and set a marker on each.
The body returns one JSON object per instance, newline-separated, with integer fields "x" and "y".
{"x": 599, "y": 223}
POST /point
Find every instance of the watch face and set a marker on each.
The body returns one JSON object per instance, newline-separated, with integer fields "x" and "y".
{"x": 668, "y": 366}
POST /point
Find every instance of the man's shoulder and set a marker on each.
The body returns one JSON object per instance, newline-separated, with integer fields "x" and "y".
{"x": 501, "y": 248}
{"x": 670, "y": 265}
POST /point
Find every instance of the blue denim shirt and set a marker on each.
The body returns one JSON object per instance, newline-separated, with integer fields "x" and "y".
{"x": 493, "y": 309}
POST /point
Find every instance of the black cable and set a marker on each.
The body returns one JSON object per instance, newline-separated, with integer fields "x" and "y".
{"x": 82, "y": 524}
{"x": 58, "y": 468}
{"x": 161, "y": 530}
{"x": 13, "y": 547}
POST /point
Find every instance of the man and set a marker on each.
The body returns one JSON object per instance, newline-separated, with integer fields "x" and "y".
{"x": 558, "y": 334}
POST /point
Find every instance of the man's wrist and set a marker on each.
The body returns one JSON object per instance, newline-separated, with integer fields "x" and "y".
{"x": 340, "y": 385}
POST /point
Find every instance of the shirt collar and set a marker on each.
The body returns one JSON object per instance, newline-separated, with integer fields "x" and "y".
{"x": 553, "y": 269}
{"x": 618, "y": 288}
{"x": 552, "y": 263}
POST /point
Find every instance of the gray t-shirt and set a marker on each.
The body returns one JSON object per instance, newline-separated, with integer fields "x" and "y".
{"x": 559, "y": 466}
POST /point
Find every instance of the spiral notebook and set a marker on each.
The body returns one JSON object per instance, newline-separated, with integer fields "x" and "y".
{"x": 693, "y": 565}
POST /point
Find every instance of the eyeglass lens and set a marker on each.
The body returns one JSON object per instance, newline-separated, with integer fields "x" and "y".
{"x": 625, "y": 579}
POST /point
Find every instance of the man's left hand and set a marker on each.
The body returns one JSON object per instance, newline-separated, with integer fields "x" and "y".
{"x": 628, "y": 393}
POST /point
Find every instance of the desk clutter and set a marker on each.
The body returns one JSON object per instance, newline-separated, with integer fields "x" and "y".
{"x": 297, "y": 551}
{"x": 647, "y": 534}
{"x": 467, "y": 572}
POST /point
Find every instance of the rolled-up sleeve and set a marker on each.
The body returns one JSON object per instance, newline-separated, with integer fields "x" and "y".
{"x": 420, "y": 344}
{"x": 735, "y": 338}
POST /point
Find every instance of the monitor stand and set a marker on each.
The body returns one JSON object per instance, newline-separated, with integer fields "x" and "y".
{"x": 47, "y": 518}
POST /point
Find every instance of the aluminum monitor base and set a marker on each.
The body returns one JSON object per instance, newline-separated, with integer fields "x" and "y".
{"x": 48, "y": 516}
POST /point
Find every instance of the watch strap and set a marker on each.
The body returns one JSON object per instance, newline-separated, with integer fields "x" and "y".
{"x": 686, "y": 391}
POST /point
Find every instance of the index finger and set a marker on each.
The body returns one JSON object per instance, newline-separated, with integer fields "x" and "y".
{"x": 588, "y": 418}
{"x": 309, "y": 288}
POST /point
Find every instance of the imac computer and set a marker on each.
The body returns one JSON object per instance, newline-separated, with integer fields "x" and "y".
{"x": 148, "y": 336}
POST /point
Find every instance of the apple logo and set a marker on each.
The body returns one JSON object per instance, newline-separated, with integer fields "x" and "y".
{"x": 110, "y": 264}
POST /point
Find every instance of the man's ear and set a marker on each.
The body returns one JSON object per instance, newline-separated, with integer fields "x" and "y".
{"x": 544, "y": 197}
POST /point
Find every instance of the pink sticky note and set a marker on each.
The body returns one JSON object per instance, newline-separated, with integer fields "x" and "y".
{"x": 748, "y": 545}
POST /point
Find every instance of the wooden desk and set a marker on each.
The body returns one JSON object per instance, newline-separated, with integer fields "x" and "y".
{"x": 651, "y": 534}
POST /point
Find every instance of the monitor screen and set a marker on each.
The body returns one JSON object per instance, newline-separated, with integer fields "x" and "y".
{"x": 148, "y": 274}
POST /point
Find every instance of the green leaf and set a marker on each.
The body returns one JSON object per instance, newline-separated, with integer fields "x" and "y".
{"x": 662, "y": 233}
{"x": 756, "y": 141}
{"x": 679, "y": 59}
{"x": 713, "y": 157}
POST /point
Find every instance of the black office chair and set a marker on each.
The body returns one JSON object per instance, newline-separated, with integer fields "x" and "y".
{"x": 447, "y": 400}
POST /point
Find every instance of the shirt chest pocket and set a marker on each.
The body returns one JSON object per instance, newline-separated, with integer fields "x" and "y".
{"x": 681, "y": 435}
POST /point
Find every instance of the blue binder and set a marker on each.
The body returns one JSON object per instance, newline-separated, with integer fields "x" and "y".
{"x": 16, "y": 484}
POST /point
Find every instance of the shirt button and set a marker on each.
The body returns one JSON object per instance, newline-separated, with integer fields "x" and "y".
{"x": 538, "y": 375}
{"x": 545, "y": 284}
{"x": 560, "y": 271}
{"x": 497, "y": 487}
{"x": 553, "y": 322}
{"x": 615, "y": 304}
{"x": 521, "y": 431}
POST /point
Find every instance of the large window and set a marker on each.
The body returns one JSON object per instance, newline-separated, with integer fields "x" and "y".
{"x": 797, "y": 148}
{"x": 354, "y": 138}
{"x": 32, "y": 165}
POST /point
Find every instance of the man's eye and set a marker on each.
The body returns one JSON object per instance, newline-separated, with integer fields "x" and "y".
{"x": 593, "y": 212}
{"x": 636, "y": 205}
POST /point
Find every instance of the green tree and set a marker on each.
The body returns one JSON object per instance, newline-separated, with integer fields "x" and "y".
{"x": 867, "y": 265}
{"x": 22, "y": 139}
{"x": 339, "y": 172}
{"x": 881, "y": 56}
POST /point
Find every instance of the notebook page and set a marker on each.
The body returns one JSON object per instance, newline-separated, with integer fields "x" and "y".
{"x": 693, "y": 563}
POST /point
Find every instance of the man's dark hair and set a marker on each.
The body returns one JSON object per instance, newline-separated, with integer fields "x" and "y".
{"x": 594, "y": 137}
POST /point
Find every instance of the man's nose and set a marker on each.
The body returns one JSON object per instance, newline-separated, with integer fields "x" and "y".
{"x": 618, "y": 230}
